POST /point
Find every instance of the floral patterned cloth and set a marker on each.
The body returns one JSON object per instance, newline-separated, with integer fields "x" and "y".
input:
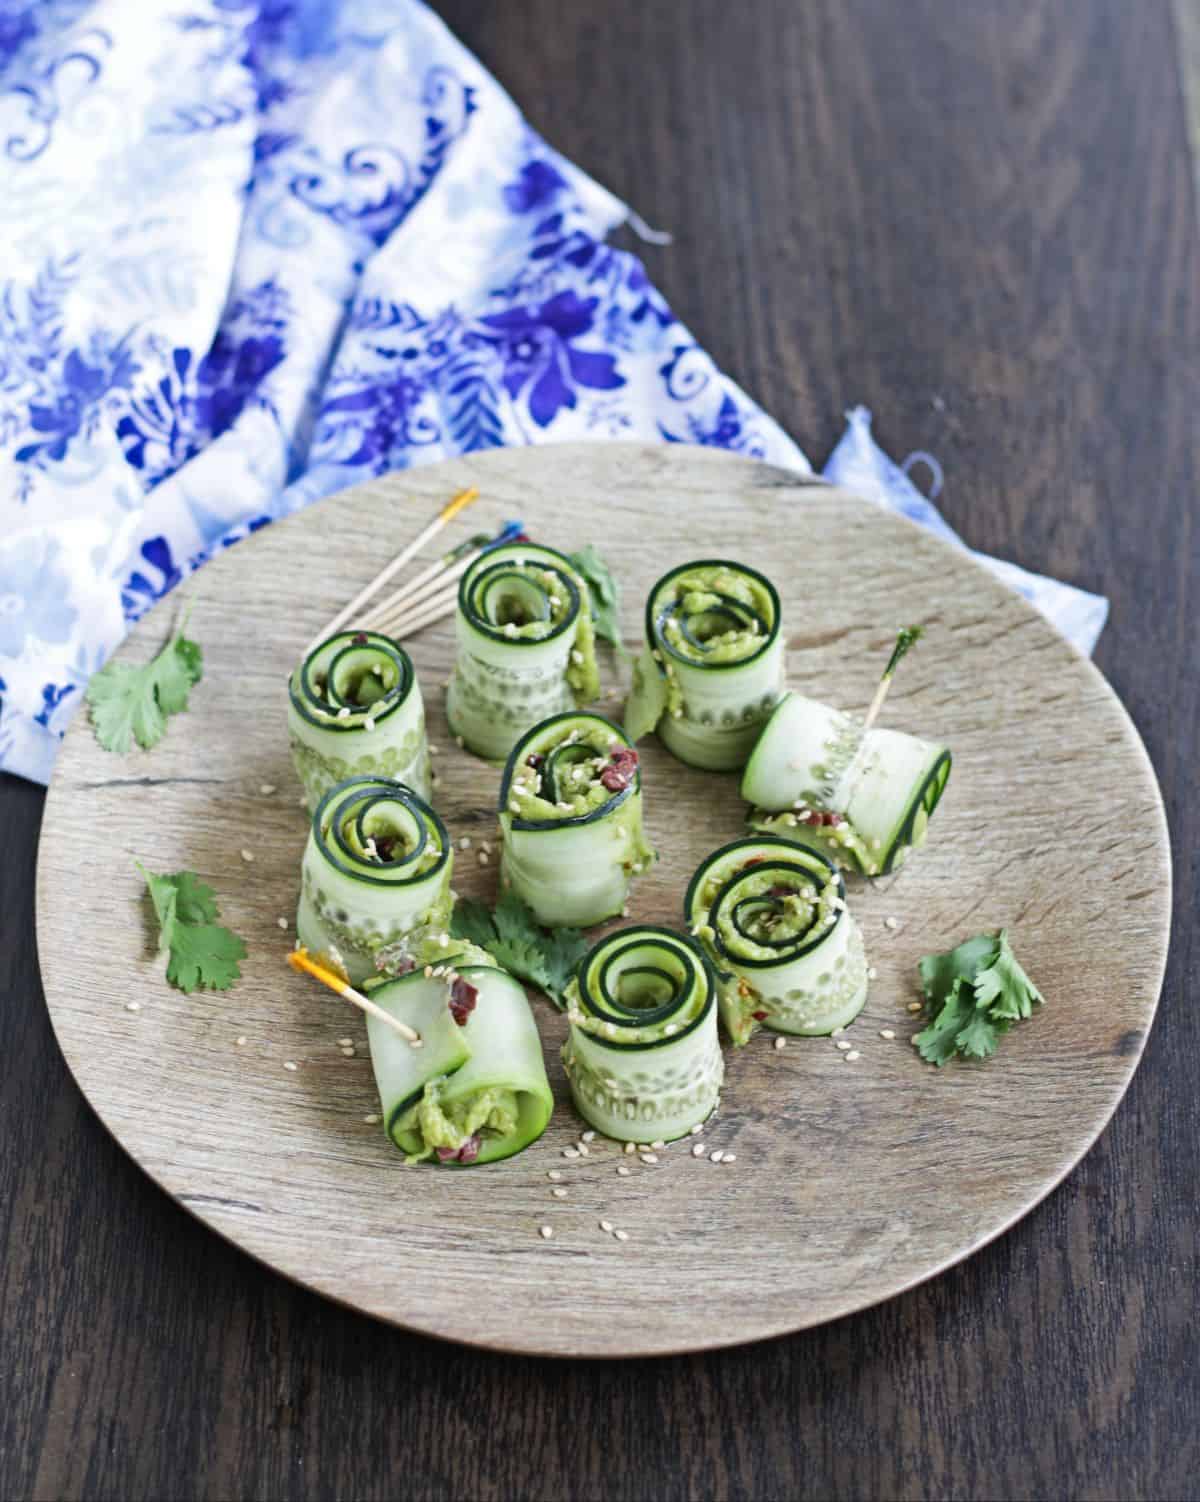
{"x": 264, "y": 249}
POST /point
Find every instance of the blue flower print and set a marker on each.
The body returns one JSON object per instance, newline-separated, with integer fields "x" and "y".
{"x": 536, "y": 345}
{"x": 536, "y": 183}
{"x": 33, "y": 597}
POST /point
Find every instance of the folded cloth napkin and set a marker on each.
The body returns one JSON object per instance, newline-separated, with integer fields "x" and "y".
{"x": 265, "y": 251}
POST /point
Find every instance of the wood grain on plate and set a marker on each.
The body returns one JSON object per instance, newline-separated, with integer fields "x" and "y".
{"x": 852, "y": 1180}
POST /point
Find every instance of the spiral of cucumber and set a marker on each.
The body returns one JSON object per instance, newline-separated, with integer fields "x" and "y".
{"x": 788, "y": 955}
{"x": 865, "y": 798}
{"x": 526, "y": 647}
{"x": 571, "y": 844}
{"x": 355, "y": 710}
{"x": 712, "y": 666}
{"x": 642, "y": 1054}
{"x": 473, "y": 1092}
{"x": 376, "y": 868}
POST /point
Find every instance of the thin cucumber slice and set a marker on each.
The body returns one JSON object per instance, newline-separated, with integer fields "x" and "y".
{"x": 472, "y": 1093}
{"x": 571, "y": 844}
{"x": 526, "y": 648}
{"x": 376, "y": 869}
{"x": 712, "y": 668}
{"x": 355, "y": 710}
{"x": 772, "y": 918}
{"x": 642, "y": 1053}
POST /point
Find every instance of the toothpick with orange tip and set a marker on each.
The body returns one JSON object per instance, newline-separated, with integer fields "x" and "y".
{"x": 300, "y": 959}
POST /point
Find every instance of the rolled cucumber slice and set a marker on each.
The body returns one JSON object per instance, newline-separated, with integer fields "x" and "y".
{"x": 474, "y": 1092}
{"x": 526, "y": 647}
{"x": 642, "y": 1053}
{"x": 712, "y": 667}
{"x": 571, "y": 820}
{"x": 865, "y": 798}
{"x": 355, "y": 710}
{"x": 772, "y": 918}
{"x": 376, "y": 869}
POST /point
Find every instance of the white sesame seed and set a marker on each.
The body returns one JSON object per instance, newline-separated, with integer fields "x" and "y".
{"x": 559, "y": 1193}
{"x": 289, "y": 1065}
{"x": 648, "y": 1157}
{"x": 483, "y": 857}
{"x": 302, "y": 801}
{"x": 842, "y": 1044}
{"x": 428, "y": 971}
{"x": 434, "y": 750}
{"x": 624, "y": 1170}
{"x": 610, "y": 1029}
{"x": 886, "y": 1032}
{"x": 852, "y": 1055}
{"x": 697, "y": 1129}
{"x": 247, "y": 855}
{"x": 133, "y": 1006}
{"x": 892, "y": 923}
{"x": 715, "y": 1157}
{"x": 621, "y": 1235}
{"x": 444, "y": 940}
{"x": 510, "y": 629}
{"x": 570, "y": 1152}
{"x": 371, "y": 1119}
{"x": 553, "y": 1174}
{"x": 241, "y": 1042}
{"x": 587, "y": 1136}
{"x": 698, "y": 1150}
{"x": 348, "y": 1053}
{"x": 631, "y": 1147}
{"x": 837, "y": 1032}
{"x": 576, "y": 656}
{"x": 486, "y": 848}
{"x": 914, "y": 1006}
{"x": 584, "y": 1150}
{"x": 872, "y": 973}
{"x": 282, "y": 922}
{"x": 267, "y": 789}
{"x": 658, "y": 1146}
{"x": 606, "y": 1225}
{"x": 465, "y": 842}
{"x": 671, "y": 1029}
{"x": 780, "y": 1043}
{"x": 345, "y": 1042}
{"x": 368, "y": 723}
{"x": 343, "y": 713}
{"x": 729, "y": 1158}
{"x": 546, "y": 1232}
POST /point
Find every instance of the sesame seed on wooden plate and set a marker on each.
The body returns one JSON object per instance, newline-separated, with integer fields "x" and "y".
{"x": 267, "y": 789}
{"x": 699, "y": 1150}
{"x": 886, "y": 1032}
{"x": 892, "y": 923}
{"x": 780, "y": 1043}
{"x": 621, "y": 1235}
{"x": 914, "y": 1006}
{"x": 546, "y": 1232}
{"x": 624, "y": 1170}
{"x": 288, "y": 1064}
{"x": 606, "y": 1225}
{"x": 371, "y": 1119}
{"x": 648, "y": 1157}
{"x": 133, "y": 1006}
{"x": 559, "y": 1192}
{"x": 716, "y": 1156}
{"x": 852, "y": 1055}
{"x": 247, "y": 856}
{"x": 241, "y": 1042}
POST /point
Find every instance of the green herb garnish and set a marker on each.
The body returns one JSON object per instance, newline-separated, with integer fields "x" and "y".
{"x": 545, "y": 957}
{"x": 976, "y": 993}
{"x": 131, "y": 703}
{"x": 200, "y": 952}
{"x": 604, "y": 591}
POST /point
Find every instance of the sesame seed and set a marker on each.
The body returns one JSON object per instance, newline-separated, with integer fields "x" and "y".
{"x": 886, "y": 1032}
{"x": 697, "y": 1129}
{"x": 247, "y": 855}
{"x": 576, "y": 657}
{"x": 302, "y": 801}
{"x": 584, "y": 1150}
{"x": 546, "y": 1232}
{"x": 842, "y": 1044}
{"x": 852, "y": 1055}
{"x": 289, "y": 1065}
{"x": 872, "y": 973}
{"x": 267, "y": 789}
{"x": 434, "y": 750}
{"x": 914, "y": 1006}
{"x": 133, "y": 1006}
{"x": 837, "y": 1032}
{"x": 570, "y": 1152}
{"x": 459, "y": 742}
{"x": 698, "y": 1150}
{"x": 241, "y": 1042}
{"x": 348, "y": 1053}
{"x": 648, "y": 1157}
{"x": 621, "y": 1235}
{"x": 343, "y": 713}
{"x": 610, "y": 1029}
{"x": 892, "y": 923}
{"x": 282, "y": 922}
{"x": 623, "y": 1170}
{"x": 780, "y": 1043}
{"x": 345, "y": 1042}
{"x": 444, "y": 940}
{"x": 554, "y": 1175}
{"x": 606, "y": 1225}
{"x": 483, "y": 857}
{"x": 587, "y": 1136}
{"x": 559, "y": 1193}
{"x": 729, "y": 1158}
{"x": 715, "y": 1157}
{"x": 510, "y": 630}
{"x": 631, "y": 1147}
{"x": 371, "y": 1119}
{"x": 368, "y": 723}
{"x": 465, "y": 842}
{"x": 428, "y": 971}
{"x": 486, "y": 848}
{"x": 671, "y": 1028}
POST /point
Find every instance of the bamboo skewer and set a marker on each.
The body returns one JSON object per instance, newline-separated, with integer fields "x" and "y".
{"x": 429, "y": 611}
{"x": 301, "y": 960}
{"x": 450, "y": 567}
{"x": 907, "y": 638}
{"x": 450, "y": 510}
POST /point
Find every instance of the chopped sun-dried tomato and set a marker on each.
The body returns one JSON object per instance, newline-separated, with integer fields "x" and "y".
{"x": 359, "y": 639}
{"x": 463, "y": 996}
{"x": 759, "y": 1016}
{"x": 621, "y": 770}
{"x": 467, "y": 1153}
{"x": 385, "y": 847}
{"x": 534, "y": 760}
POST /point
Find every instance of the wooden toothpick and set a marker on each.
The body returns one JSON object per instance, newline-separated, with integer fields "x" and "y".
{"x": 908, "y": 637}
{"x": 300, "y": 959}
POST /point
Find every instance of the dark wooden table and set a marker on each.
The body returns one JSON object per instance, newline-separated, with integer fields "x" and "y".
{"x": 979, "y": 220}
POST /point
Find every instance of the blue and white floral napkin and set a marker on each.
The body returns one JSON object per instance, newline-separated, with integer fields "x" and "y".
{"x": 257, "y": 252}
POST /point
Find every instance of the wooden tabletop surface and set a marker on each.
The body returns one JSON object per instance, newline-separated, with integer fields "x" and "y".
{"x": 979, "y": 221}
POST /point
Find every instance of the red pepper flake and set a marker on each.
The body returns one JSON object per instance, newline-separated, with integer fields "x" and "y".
{"x": 621, "y": 770}
{"x": 405, "y": 965}
{"x": 818, "y": 819}
{"x": 463, "y": 996}
{"x": 467, "y": 1153}
{"x": 359, "y": 639}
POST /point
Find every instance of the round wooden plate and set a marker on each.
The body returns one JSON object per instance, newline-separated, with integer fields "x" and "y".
{"x": 852, "y": 1180}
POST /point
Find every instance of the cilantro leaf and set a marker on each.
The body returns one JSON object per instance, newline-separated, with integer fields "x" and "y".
{"x": 200, "y": 952}
{"x": 545, "y": 958}
{"x": 604, "y": 591}
{"x": 131, "y": 703}
{"x": 975, "y": 994}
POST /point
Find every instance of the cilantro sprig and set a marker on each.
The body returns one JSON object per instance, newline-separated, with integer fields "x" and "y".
{"x": 544, "y": 957}
{"x": 975, "y": 994}
{"x": 200, "y": 951}
{"x": 130, "y": 703}
{"x": 604, "y": 592}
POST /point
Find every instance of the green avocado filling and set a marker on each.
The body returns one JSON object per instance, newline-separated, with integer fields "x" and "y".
{"x": 583, "y": 675}
{"x": 387, "y": 835}
{"x": 431, "y": 1123}
{"x": 842, "y": 843}
{"x": 705, "y": 625}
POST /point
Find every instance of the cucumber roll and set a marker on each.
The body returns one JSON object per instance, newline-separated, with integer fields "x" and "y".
{"x": 642, "y": 1053}
{"x": 526, "y": 647}
{"x": 712, "y": 667}
{"x": 571, "y": 820}
{"x": 475, "y": 1091}
{"x": 788, "y": 954}
{"x": 355, "y": 710}
{"x": 376, "y": 868}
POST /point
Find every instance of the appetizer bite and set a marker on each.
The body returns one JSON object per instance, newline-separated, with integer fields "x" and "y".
{"x": 475, "y": 1090}
{"x": 862, "y": 795}
{"x": 355, "y": 710}
{"x": 376, "y": 868}
{"x": 788, "y": 955}
{"x": 571, "y": 820}
{"x": 642, "y": 1053}
{"x": 712, "y": 667}
{"x": 526, "y": 647}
